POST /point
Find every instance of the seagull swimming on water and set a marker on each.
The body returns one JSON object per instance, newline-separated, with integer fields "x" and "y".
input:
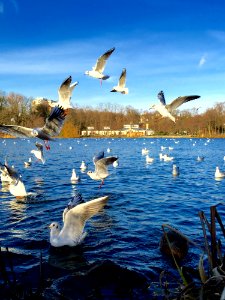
{"x": 28, "y": 163}
{"x": 65, "y": 93}
{"x": 101, "y": 167}
{"x": 74, "y": 177}
{"x": 53, "y": 125}
{"x": 99, "y": 67}
{"x": 149, "y": 159}
{"x": 72, "y": 233}
{"x": 175, "y": 170}
{"x": 120, "y": 87}
{"x": 219, "y": 174}
{"x": 166, "y": 109}
{"x": 83, "y": 166}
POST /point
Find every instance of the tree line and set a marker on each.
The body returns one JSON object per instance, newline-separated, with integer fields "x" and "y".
{"x": 18, "y": 109}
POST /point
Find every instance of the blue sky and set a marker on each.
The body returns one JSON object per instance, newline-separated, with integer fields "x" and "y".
{"x": 174, "y": 46}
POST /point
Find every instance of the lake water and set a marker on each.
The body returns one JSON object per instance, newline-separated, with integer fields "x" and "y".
{"x": 142, "y": 198}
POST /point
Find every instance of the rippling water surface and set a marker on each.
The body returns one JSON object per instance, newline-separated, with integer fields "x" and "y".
{"x": 142, "y": 198}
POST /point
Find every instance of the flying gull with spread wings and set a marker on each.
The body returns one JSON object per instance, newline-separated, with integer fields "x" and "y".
{"x": 39, "y": 152}
{"x": 65, "y": 93}
{"x": 120, "y": 87}
{"x": 99, "y": 67}
{"x": 72, "y": 233}
{"x": 53, "y": 125}
{"x": 101, "y": 167}
{"x": 166, "y": 110}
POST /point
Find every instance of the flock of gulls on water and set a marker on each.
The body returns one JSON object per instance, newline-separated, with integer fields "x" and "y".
{"x": 77, "y": 211}
{"x": 175, "y": 169}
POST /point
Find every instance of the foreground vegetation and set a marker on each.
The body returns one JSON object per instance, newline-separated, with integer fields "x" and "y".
{"x": 17, "y": 109}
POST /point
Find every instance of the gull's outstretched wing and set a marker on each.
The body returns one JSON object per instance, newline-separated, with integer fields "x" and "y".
{"x": 54, "y": 122}
{"x": 100, "y": 64}
{"x": 179, "y": 101}
{"x": 17, "y": 131}
{"x": 77, "y": 199}
{"x": 12, "y": 173}
{"x": 101, "y": 165}
{"x": 122, "y": 79}
{"x": 76, "y": 217}
{"x": 98, "y": 156}
{"x": 161, "y": 98}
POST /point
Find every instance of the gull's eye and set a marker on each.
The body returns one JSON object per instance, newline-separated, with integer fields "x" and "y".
{"x": 53, "y": 225}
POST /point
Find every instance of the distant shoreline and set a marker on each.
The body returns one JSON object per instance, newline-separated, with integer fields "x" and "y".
{"x": 135, "y": 137}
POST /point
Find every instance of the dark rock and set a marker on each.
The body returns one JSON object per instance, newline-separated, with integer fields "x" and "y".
{"x": 178, "y": 245}
{"x": 105, "y": 280}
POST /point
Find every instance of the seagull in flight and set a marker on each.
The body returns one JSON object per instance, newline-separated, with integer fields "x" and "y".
{"x": 121, "y": 84}
{"x": 39, "y": 152}
{"x": 99, "y": 67}
{"x": 65, "y": 93}
{"x": 101, "y": 167}
{"x": 166, "y": 110}
{"x": 53, "y": 125}
{"x": 72, "y": 233}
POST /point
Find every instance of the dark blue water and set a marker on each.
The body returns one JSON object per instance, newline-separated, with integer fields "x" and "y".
{"x": 142, "y": 198}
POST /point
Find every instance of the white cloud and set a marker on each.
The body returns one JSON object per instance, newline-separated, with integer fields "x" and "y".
{"x": 202, "y": 61}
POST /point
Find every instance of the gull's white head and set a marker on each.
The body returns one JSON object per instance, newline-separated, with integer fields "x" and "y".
{"x": 54, "y": 227}
{"x": 86, "y": 72}
{"x": 93, "y": 175}
{"x": 34, "y": 132}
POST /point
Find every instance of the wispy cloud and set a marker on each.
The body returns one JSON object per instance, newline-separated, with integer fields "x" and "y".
{"x": 1, "y": 7}
{"x": 151, "y": 66}
{"x": 218, "y": 35}
{"x": 10, "y": 5}
{"x": 15, "y": 5}
{"x": 202, "y": 61}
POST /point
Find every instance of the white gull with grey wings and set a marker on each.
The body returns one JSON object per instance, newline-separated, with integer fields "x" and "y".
{"x": 99, "y": 67}
{"x": 75, "y": 218}
{"x": 101, "y": 167}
